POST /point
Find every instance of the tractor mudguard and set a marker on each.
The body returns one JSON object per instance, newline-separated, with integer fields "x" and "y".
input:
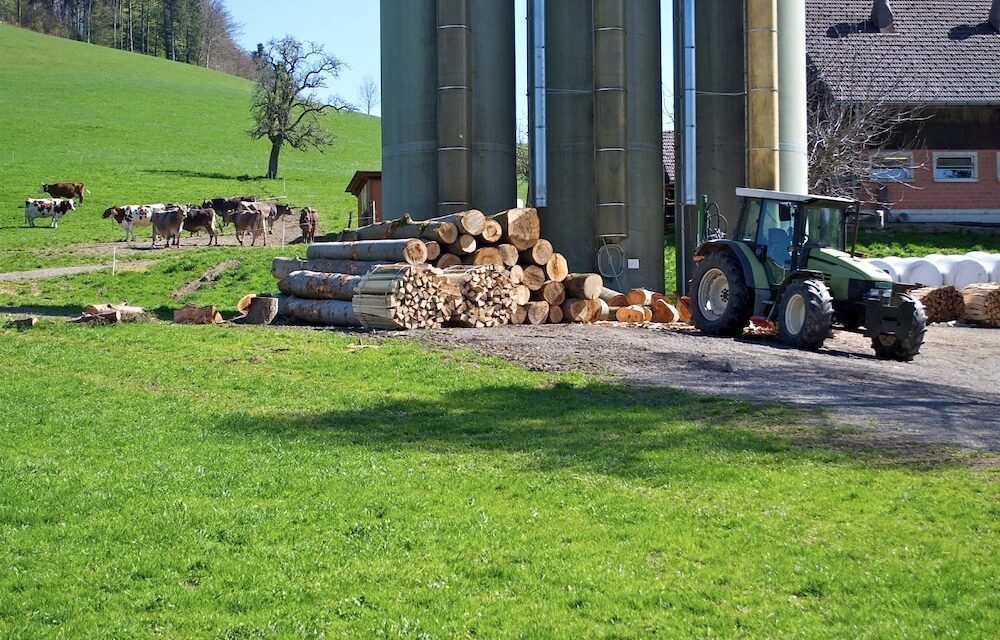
{"x": 753, "y": 271}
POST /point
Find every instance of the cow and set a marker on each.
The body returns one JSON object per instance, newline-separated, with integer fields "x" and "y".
{"x": 130, "y": 216}
{"x": 68, "y": 190}
{"x": 54, "y": 208}
{"x": 247, "y": 221}
{"x": 222, "y": 205}
{"x": 307, "y": 222}
{"x": 272, "y": 212}
{"x": 168, "y": 224}
{"x": 202, "y": 220}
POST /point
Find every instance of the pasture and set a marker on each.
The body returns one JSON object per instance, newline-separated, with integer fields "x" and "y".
{"x": 159, "y": 480}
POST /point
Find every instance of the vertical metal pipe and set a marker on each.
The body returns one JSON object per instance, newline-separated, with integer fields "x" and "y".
{"x": 538, "y": 131}
{"x": 610, "y": 119}
{"x": 453, "y": 106}
{"x": 686, "y": 101}
{"x": 793, "y": 129}
{"x": 762, "y": 94}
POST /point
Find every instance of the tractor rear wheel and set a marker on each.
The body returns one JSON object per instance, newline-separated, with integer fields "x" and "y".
{"x": 903, "y": 346}
{"x": 721, "y": 301}
{"x": 806, "y": 314}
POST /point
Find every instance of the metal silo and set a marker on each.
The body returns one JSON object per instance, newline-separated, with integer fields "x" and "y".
{"x": 448, "y": 106}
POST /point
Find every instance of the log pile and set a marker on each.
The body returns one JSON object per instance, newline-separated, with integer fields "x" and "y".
{"x": 483, "y": 296}
{"x": 982, "y": 304}
{"x": 941, "y": 304}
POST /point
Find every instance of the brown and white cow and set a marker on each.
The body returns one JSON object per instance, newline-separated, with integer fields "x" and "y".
{"x": 247, "y": 221}
{"x": 307, "y": 222}
{"x": 202, "y": 219}
{"x": 130, "y": 216}
{"x": 168, "y": 224}
{"x": 64, "y": 190}
{"x": 54, "y": 208}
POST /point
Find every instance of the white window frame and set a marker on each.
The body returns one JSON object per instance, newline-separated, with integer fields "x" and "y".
{"x": 875, "y": 157}
{"x": 974, "y": 155}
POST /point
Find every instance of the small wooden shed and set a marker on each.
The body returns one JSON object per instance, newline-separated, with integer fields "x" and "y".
{"x": 366, "y": 186}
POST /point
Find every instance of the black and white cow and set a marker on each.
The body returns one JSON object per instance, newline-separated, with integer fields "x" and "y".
{"x": 130, "y": 216}
{"x": 54, "y": 208}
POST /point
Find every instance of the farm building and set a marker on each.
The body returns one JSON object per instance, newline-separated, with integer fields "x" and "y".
{"x": 366, "y": 186}
{"x": 943, "y": 58}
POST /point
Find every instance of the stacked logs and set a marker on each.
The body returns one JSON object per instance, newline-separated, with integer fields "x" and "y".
{"x": 982, "y": 304}
{"x": 639, "y": 306}
{"x": 941, "y": 304}
{"x": 483, "y": 296}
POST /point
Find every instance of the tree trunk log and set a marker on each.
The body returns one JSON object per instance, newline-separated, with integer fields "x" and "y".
{"x": 469, "y": 222}
{"x": 584, "y": 285}
{"x": 538, "y": 312}
{"x": 433, "y": 250}
{"x": 509, "y": 254}
{"x": 516, "y": 274}
{"x": 448, "y": 260}
{"x": 522, "y": 294}
{"x": 262, "y": 310}
{"x": 579, "y": 310}
{"x": 519, "y": 315}
{"x": 486, "y": 255}
{"x": 108, "y": 317}
{"x": 533, "y": 278}
{"x": 609, "y": 294}
{"x": 556, "y": 268}
{"x": 641, "y": 297}
{"x": 520, "y": 227}
{"x": 401, "y": 229}
{"x": 314, "y": 285}
{"x": 190, "y": 314}
{"x": 632, "y": 314}
{"x": 124, "y": 309}
{"x": 539, "y": 254}
{"x": 22, "y": 323}
{"x": 552, "y": 292}
{"x": 411, "y": 251}
{"x": 492, "y": 231}
{"x": 684, "y": 309}
{"x": 665, "y": 312}
{"x": 332, "y": 313}
{"x": 555, "y": 314}
{"x": 465, "y": 245}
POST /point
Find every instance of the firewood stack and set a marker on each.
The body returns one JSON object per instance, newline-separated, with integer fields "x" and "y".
{"x": 982, "y": 304}
{"x": 941, "y": 304}
{"x": 466, "y": 270}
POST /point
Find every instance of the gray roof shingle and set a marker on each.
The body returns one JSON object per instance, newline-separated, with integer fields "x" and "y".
{"x": 940, "y": 52}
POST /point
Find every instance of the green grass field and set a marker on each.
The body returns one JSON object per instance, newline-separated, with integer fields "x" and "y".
{"x": 235, "y": 482}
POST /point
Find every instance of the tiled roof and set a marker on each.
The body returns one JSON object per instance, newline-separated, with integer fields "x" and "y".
{"x": 941, "y": 52}
{"x": 668, "y": 154}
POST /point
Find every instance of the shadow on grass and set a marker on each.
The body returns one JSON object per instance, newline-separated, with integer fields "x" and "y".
{"x": 57, "y": 311}
{"x": 208, "y": 175}
{"x": 606, "y": 428}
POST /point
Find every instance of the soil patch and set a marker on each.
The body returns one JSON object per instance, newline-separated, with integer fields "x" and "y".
{"x": 53, "y": 272}
{"x": 209, "y": 276}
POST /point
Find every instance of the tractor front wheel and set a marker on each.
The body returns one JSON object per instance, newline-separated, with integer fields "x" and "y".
{"x": 721, "y": 301}
{"x": 903, "y": 346}
{"x": 806, "y": 314}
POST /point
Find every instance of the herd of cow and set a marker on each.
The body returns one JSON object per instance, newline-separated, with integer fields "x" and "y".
{"x": 245, "y": 213}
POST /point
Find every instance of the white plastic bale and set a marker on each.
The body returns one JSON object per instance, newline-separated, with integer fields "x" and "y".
{"x": 886, "y": 266}
{"x": 960, "y": 272}
{"x": 920, "y": 271}
{"x": 990, "y": 262}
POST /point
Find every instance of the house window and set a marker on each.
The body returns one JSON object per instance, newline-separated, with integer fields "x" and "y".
{"x": 894, "y": 166}
{"x": 952, "y": 166}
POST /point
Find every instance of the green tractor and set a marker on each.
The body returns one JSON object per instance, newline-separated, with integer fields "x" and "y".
{"x": 787, "y": 263}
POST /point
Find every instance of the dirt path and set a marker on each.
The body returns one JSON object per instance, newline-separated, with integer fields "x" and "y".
{"x": 54, "y": 272}
{"x": 949, "y": 395}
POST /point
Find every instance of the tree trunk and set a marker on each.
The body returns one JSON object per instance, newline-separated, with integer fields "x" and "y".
{"x": 584, "y": 285}
{"x": 411, "y": 251}
{"x": 272, "y": 164}
{"x": 314, "y": 285}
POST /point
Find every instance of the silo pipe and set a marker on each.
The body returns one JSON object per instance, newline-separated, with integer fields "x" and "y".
{"x": 610, "y": 120}
{"x": 762, "y": 97}
{"x": 453, "y": 112}
{"x": 538, "y": 165}
{"x": 793, "y": 155}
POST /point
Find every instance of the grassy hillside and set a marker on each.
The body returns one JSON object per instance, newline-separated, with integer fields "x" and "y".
{"x": 141, "y": 129}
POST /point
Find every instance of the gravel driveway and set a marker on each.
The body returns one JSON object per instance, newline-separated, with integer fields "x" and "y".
{"x": 950, "y": 394}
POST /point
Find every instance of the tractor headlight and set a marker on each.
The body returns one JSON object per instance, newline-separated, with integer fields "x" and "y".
{"x": 878, "y": 294}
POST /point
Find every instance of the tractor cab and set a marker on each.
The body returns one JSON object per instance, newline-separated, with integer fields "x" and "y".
{"x": 787, "y": 261}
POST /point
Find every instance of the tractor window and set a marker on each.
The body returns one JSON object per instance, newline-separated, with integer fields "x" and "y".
{"x": 751, "y": 216}
{"x": 775, "y": 234}
{"x": 824, "y": 227}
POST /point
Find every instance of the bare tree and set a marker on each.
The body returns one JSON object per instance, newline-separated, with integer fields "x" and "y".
{"x": 368, "y": 94}
{"x": 856, "y": 115}
{"x": 285, "y": 108}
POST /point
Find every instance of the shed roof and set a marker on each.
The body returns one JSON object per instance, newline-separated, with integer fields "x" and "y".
{"x": 357, "y": 183}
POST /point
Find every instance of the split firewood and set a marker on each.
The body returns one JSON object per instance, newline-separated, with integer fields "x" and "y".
{"x": 191, "y": 314}
{"x": 508, "y": 254}
{"x": 941, "y": 304}
{"x": 538, "y": 312}
{"x": 403, "y": 297}
{"x": 584, "y": 285}
{"x": 539, "y": 254}
{"x": 448, "y": 260}
{"x": 580, "y": 310}
{"x": 516, "y": 274}
{"x": 555, "y": 314}
{"x": 556, "y": 268}
{"x": 552, "y": 292}
{"x": 469, "y": 222}
{"x": 664, "y": 312}
{"x": 641, "y": 297}
{"x": 982, "y": 303}
{"x": 520, "y": 227}
{"x": 319, "y": 286}
{"x": 463, "y": 246}
{"x": 487, "y": 297}
{"x": 433, "y": 250}
{"x": 492, "y": 231}
{"x": 405, "y": 227}
{"x": 409, "y": 251}
{"x": 485, "y": 255}
{"x": 533, "y": 277}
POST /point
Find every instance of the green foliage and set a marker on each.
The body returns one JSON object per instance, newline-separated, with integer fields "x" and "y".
{"x": 907, "y": 242}
{"x": 136, "y": 130}
{"x": 231, "y": 482}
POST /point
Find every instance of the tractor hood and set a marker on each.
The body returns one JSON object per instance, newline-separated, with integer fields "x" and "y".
{"x": 840, "y": 264}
